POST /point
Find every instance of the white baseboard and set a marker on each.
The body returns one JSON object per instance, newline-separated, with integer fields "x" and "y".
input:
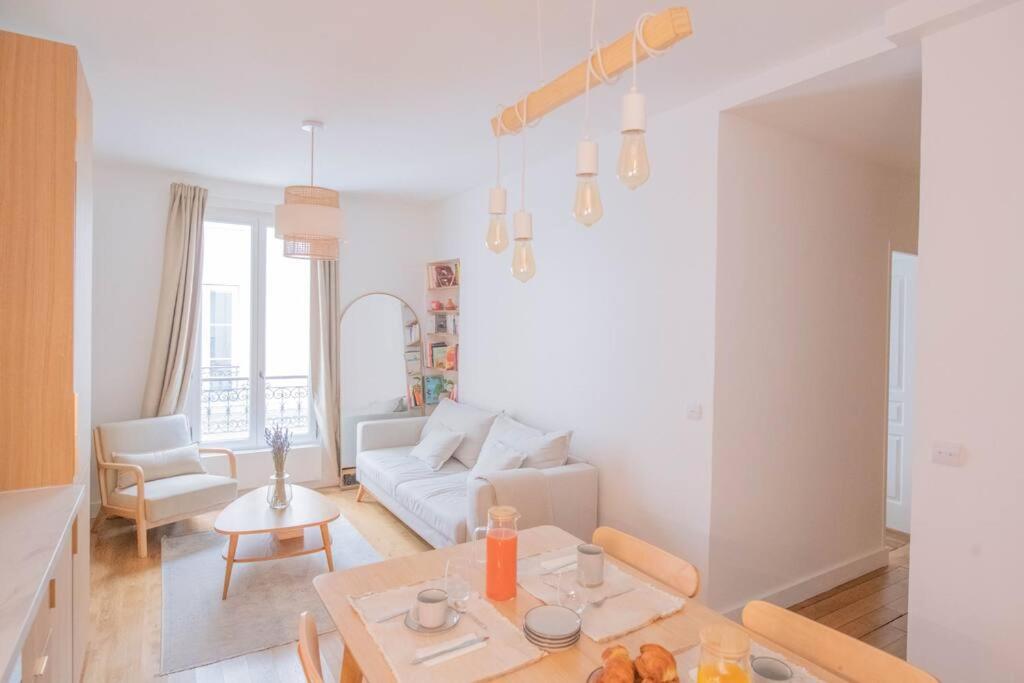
{"x": 819, "y": 583}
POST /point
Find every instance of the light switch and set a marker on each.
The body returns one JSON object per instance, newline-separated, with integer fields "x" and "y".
{"x": 694, "y": 411}
{"x": 951, "y": 454}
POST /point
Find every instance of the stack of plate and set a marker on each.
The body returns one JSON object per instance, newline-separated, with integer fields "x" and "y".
{"x": 552, "y": 627}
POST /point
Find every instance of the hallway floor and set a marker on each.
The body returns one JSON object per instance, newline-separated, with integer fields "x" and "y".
{"x": 872, "y": 607}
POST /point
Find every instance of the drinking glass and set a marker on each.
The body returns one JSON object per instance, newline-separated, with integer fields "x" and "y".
{"x": 457, "y": 582}
{"x": 568, "y": 592}
{"x": 724, "y": 655}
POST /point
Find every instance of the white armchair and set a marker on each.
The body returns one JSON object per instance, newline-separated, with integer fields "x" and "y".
{"x": 160, "y": 501}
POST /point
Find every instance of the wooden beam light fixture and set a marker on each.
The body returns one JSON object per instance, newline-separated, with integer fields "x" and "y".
{"x": 660, "y": 32}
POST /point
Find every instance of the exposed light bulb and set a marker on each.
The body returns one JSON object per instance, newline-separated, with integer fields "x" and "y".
{"x": 524, "y": 266}
{"x": 497, "y": 232}
{"x": 587, "y": 208}
{"x": 634, "y": 167}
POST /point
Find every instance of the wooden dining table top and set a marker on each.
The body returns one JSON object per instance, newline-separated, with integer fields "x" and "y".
{"x": 676, "y": 633}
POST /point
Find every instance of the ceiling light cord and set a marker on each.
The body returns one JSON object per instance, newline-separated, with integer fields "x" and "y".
{"x": 638, "y": 39}
{"x": 540, "y": 48}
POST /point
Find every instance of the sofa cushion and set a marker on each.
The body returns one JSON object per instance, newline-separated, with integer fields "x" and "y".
{"x": 160, "y": 464}
{"x": 388, "y": 468}
{"x": 496, "y": 456}
{"x": 459, "y": 417}
{"x": 439, "y": 502}
{"x": 540, "y": 450}
{"x": 142, "y": 436}
{"x": 435, "y": 448}
{"x": 174, "y": 496}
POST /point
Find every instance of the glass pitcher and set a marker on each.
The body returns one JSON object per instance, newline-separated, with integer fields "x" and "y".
{"x": 502, "y": 551}
{"x": 724, "y": 655}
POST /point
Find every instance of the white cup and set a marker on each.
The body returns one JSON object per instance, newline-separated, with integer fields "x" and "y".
{"x": 431, "y": 607}
{"x": 589, "y": 565}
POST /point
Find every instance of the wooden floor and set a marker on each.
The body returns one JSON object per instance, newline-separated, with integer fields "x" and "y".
{"x": 126, "y": 603}
{"x": 872, "y": 607}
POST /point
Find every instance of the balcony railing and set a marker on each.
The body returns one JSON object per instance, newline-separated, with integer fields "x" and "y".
{"x": 225, "y": 409}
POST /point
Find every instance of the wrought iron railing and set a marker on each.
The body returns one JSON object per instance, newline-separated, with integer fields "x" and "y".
{"x": 224, "y": 402}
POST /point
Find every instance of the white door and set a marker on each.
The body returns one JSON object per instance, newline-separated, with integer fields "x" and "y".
{"x": 902, "y": 347}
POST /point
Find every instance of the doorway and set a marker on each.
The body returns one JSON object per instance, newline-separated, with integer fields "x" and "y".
{"x": 902, "y": 345}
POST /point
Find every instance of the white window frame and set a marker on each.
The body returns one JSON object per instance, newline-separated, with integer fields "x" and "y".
{"x": 259, "y": 222}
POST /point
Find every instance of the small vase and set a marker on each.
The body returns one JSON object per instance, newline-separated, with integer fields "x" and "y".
{"x": 279, "y": 492}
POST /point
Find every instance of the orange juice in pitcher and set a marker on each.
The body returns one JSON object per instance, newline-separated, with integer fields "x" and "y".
{"x": 502, "y": 551}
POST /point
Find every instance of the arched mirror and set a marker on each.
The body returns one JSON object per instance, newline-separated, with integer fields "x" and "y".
{"x": 381, "y": 365}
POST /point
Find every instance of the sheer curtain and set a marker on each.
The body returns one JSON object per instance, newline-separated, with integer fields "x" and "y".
{"x": 177, "y": 320}
{"x": 325, "y": 359}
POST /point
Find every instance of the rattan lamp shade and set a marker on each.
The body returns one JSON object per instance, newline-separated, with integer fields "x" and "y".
{"x": 310, "y": 221}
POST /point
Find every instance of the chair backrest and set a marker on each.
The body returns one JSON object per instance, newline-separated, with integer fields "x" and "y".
{"x": 309, "y": 649}
{"x": 844, "y": 656}
{"x": 672, "y": 571}
{"x": 138, "y": 436}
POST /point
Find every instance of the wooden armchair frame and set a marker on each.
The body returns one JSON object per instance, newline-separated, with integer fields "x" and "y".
{"x": 105, "y": 468}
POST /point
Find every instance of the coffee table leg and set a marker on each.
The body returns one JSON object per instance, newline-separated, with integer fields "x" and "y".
{"x": 350, "y": 671}
{"x": 325, "y": 532}
{"x": 232, "y": 545}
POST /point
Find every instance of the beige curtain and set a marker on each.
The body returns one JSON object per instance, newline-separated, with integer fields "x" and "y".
{"x": 173, "y": 355}
{"x": 325, "y": 370}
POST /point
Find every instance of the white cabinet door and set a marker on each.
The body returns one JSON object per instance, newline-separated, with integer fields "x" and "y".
{"x": 902, "y": 346}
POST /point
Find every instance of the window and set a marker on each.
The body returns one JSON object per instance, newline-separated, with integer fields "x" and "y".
{"x": 254, "y": 339}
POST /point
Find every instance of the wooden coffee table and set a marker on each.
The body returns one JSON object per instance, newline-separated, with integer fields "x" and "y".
{"x": 256, "y": 532}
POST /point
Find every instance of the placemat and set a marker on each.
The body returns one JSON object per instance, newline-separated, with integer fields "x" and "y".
{"x": 505, "y": 650}
{"x": 687, "y": 660}
{"x": 622, "y": 612}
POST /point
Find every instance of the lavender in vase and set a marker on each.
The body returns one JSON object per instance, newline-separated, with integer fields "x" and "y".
{"x": 279, "y": 492}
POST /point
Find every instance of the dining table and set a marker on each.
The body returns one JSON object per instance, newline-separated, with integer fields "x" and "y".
{"x": 363, "y": 657}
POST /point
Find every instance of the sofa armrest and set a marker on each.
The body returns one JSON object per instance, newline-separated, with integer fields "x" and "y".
{"x": 140, "y": 483}
{"x": 573, "y": 491}
{"x": 376, "y": 434}
{"x": 228, "y": 453}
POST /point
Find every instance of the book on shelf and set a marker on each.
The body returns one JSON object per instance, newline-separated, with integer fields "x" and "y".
{"x": 451, "y": 360}
{"x": 439, "y": 355}
{"x": 441, "y": 324}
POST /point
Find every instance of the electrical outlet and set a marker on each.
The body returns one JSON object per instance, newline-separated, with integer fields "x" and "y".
{"x": 694, "y": 411}
{"x": 950, "y": 454}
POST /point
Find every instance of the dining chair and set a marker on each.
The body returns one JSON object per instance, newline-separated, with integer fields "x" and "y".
{"x": 672, "y": 571}
{"x": 844, "y": 656}
{"x": 309, "y": 649}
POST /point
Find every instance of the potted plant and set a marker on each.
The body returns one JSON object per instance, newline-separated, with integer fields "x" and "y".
{"x": 279, "y": 492}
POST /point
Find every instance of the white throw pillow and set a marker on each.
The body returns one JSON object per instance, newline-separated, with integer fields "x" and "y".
{"x": 436, "y": 447}
{"x": 474, "y": 423}
{"x": 171, "y": 462}
{"x": 539, "y": 450}
{"x": 497, "y": 456}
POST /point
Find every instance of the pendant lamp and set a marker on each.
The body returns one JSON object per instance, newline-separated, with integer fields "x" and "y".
{"x": 310, "y": 221}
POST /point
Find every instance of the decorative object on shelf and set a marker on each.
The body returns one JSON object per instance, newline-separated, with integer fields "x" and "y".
{"x": 436, "y": 306}
{"x": 451, "y": 357}
{"x": 279, "y": 492}
{"x": 440, "y": 324}
{"x": 433, "y": 385}
{"x": 450, "y": 305}
{"x": 439, "y": 356}
{"x": 310, "y": 221}
{"x": 444, "y": 275}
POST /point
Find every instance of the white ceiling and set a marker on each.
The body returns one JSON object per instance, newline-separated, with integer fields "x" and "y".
{"x": 871, "y": 108}
{"x": 406, "y": 87}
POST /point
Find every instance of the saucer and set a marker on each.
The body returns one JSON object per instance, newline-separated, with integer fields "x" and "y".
{"x": 451, "y": 618}
{"x": 552, "y": 622}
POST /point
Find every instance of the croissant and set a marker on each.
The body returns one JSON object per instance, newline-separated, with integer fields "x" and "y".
{"x": 618, "y": 667}
{"x": 656, "y": 664}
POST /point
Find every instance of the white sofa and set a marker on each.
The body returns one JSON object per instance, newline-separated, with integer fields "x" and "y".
{"x": 444, "y": 507}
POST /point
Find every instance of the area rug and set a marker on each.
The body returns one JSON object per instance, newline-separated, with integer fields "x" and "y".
{"x": 263, "y": 605}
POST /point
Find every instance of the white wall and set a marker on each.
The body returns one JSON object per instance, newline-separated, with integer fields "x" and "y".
{"x": 966, "y": 616}
{"x": 798, "y": 483}
{"x": 614, "y": 335}
{"x": 390, "y": 241}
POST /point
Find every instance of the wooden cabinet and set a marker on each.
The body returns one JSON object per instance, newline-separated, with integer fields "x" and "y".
{"x": 39, "y": 82}
{"x": 45, "y": 211}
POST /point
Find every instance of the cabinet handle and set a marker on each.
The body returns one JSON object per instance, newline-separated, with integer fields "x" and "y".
{"x": 53, "y": 593}
{"x": 41, "y": 663}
